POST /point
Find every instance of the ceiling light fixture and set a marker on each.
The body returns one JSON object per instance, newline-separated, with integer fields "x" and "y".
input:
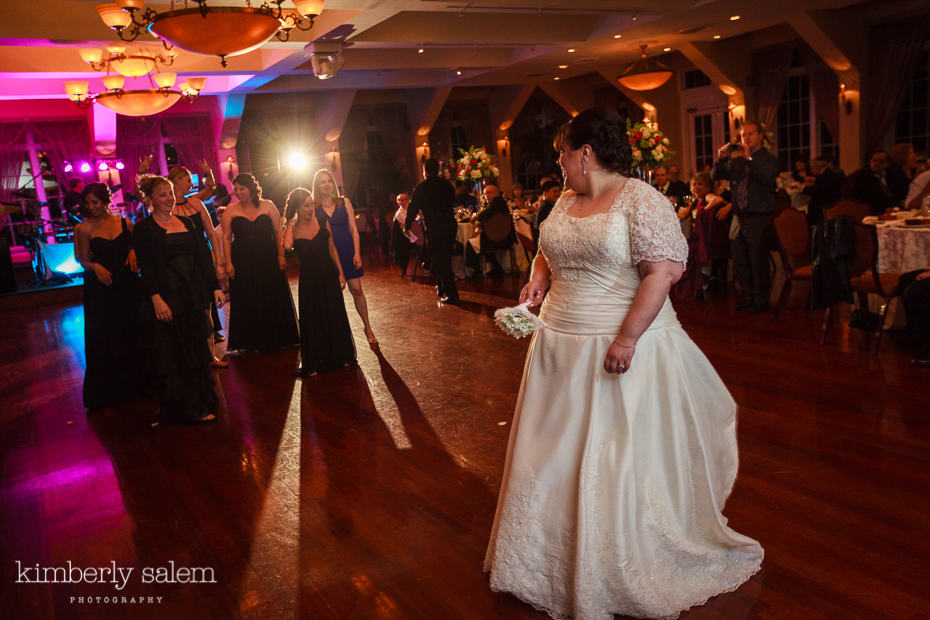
{"x": 571, "y": 50}
{"x": 667, "y": 49}
{"x": 734, "y": 18}
{"x": 563, "y": 66}
{"x": 556, "y": 78}
{"x": 618, "y": 36}
{"x": 644, "y": 74}
{"x": 420, "y": 51}
{"x": 212, "y": 30}
{"x": 137, "y": 102}
{"x": 135, "y": 63}
{"x": 325, "y": 58}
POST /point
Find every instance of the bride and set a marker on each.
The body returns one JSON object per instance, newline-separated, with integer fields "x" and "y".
{"x": 623, "y": 446}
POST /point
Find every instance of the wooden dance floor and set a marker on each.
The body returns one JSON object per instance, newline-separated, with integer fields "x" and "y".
{"x": 369, "y": 492}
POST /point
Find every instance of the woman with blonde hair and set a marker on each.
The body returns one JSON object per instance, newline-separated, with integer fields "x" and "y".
{"x": 337, "y": 211}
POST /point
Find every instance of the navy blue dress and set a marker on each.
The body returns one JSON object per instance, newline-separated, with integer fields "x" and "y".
{"x": 342, "y": 238}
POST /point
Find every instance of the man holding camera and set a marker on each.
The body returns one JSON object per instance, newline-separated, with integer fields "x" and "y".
{"x": 751, "y": 169}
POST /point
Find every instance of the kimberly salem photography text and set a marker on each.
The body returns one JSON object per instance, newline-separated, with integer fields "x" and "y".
{"x": 117, "y": 576}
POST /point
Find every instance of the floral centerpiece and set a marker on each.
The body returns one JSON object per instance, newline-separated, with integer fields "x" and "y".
{"x": 475, "y": 164}
{"x": 447, "y": 169}
{"x": 650, "y": 146}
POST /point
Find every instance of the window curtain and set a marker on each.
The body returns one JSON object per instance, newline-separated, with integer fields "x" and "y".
{"x": 12, "y": 155}
{"x": 770, "y": 68}
{"x": 62, "y": 141}
{"x": 192, "y": 137}
{"x": 135, "y": 139}
{"x": 893, "y": 53}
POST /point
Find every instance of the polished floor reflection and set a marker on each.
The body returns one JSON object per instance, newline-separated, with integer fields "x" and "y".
{"x": 369, "y": 492}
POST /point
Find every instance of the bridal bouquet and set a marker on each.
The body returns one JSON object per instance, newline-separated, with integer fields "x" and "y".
{"x": 650, "y": 146}
{"x": 474, "y": 164}
{"x": 517, "y": 321}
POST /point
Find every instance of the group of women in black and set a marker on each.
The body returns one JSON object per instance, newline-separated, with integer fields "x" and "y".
{"x": 157, "y": 329}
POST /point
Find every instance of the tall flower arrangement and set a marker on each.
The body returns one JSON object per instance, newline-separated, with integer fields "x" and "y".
{"x": 447, "y": 169}
{"x": 650, "y": 146}
{"x": 475, "y": 164}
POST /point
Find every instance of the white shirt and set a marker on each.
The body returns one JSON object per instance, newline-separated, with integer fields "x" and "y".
{"x": 917, "y": 186}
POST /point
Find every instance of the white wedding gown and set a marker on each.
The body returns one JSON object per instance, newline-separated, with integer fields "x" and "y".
{"x": 613, "y": 485}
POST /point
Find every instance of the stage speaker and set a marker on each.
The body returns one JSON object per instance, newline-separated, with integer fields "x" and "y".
{"x": 7, "y": 279}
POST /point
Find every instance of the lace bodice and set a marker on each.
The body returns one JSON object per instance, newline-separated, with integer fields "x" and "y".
{"x": 639, "y": 226}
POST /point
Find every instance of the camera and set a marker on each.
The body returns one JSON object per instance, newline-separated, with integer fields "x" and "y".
{"x": 735, "y": 146}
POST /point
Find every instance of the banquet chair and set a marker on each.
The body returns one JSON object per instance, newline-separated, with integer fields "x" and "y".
{"x": 419, "y": 250}
{"x": 497, "y": 235}
{"x": 856, "y": 210}
{"x": 794, "y": 248}
{"x": 524, "y": 232}
{"x": 866, "y": 280}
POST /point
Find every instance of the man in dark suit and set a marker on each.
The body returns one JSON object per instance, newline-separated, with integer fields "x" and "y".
{"x": 435, "y": 197}
{"x": 662, "y": 182}
{"x": 826, "y": 189}
{"x": 751, "y": 169}
{"x": 916, "y": 296}
{"x": 869, "y": 185}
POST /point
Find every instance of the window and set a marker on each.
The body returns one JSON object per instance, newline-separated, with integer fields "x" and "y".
{"x": 794, "y": 121}
{"x": 703, "y": 141}
{"x": 913, "y": 120}
{"x": 459, "y": 141}
{"x": 695, "y": 79}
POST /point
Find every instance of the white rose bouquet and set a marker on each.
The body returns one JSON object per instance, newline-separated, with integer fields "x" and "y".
{"x": 517, "y": 321}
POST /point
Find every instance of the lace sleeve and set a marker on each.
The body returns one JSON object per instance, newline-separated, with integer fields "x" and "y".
{"x": 655, "y": 234}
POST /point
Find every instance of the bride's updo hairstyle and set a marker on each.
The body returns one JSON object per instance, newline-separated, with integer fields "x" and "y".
{"x": 602, "y": 129}
{"x": 249, "y": 182}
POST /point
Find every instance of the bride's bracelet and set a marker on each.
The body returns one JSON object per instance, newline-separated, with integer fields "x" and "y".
{"x": 625, "y": 346}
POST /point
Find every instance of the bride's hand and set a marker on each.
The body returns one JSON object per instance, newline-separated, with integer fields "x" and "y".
{"x": 533, "y": 292}
{"x": 619, "y": 357}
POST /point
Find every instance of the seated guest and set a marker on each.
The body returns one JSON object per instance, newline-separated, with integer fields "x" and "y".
{"x": 518, "y": 199}
{"x": 869, "y": 185}
{"x": 662, "y": 183}
{"x": 494, "y": 203}
{"x": 551, "y": 190}
{"x": 922, "y": 165}
{"x": 900, "y": 170}
{"x": 801, "y": 172}
{"x": 916, "y": 295}
{"x": 711, "y": 232}
{"x": 676, "y": 185}
{"x": 463, "y": 198}
{"x": 917, "y": 191}
{"x": 824, "y": 190}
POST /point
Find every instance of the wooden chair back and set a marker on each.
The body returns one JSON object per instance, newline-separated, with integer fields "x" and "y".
{"x": 525, "y": 236}
{"x": 855, "y": 210}
{"x": 498, "y": 230}
{"x": 794, "y": 238}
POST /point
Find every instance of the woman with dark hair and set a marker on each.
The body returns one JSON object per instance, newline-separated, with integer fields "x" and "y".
{"x": 178, "y": 274}
{"x": 325, "y": 336}
{"x": 616, "y": 471}
{"x": 337, "y": 210}
{"x": 261, "y": 311}
{"x": 103, "y": 246}
{"x": 192, "y": 207}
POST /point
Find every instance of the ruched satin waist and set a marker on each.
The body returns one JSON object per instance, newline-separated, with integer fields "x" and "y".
{"x": 587, "y": 309}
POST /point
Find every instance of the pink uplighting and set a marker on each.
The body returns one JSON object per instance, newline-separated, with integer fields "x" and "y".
{"x": 85, "y": 167}
{"x": 102, "y": 166}
{"x": 68, "y": 166}
{"x": 120, "y": 165}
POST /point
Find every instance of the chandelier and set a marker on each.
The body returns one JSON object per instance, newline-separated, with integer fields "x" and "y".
{"x": 134, "y": 64}
{"x": 138, "y": 102}
{"x": 212, "y": 30}
{"x": 645, "y": 73}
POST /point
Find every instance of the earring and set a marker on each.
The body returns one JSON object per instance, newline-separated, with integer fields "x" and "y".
{"x": 584, "y": 167}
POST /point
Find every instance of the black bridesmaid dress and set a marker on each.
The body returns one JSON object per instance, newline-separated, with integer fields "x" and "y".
{"x": 325, "y": 336}
{"x": 111, "y": 313}
{"x": 261, "y": 310}
{"x": 178, "y": 266}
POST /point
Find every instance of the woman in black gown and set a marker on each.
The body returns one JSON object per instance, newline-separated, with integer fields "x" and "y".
{"x": 103, "y": 246}
{"x": 177, "y": 272}
{"x": 261, "y": 311}
{"x": 325, "y": 336}
{"x": 192, "y": 207}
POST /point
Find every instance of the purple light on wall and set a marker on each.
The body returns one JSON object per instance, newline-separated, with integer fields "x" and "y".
{"x": 85, "y": 167}
{"x": 102, "y": 166}
{"x": 119, "y": 165}
{"x": 68, "y": 166}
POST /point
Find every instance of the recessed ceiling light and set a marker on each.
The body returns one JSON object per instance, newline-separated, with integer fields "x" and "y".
{"x": 563, "y": 66}
{"x": 667, "y": 49}
{"x": 420, "y": 51}
{"x": 556, "y": 78}
{"x": 571, "y": 50}
{"x": 734, "y": 18}
{"x": 458, "y": 72}
{"x": 618, "y": 36}
{"x": 716, "y": 36}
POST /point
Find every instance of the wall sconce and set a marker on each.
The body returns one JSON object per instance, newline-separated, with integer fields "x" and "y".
{"x": 502, "y": 145}
{"x": 230, "y": 167}
{"x": 738, "y": 113}
{"x": 423, "y": 152}
{"x": 845, "y": 100}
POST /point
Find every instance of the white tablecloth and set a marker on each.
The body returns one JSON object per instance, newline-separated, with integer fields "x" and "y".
{"x": 901, "y": 248}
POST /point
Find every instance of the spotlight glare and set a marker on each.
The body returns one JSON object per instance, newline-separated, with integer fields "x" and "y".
{"x": 68, "y": 166}
{"x": 297, "y": 161}
{"x": 667, "y": 49}
{"x": 102, "y": 166}
{"x": 120, "y": 165}
{"x": 85, "y": 167}
{"x": 571, "y": 50}
{"x": 618, "y": 36}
